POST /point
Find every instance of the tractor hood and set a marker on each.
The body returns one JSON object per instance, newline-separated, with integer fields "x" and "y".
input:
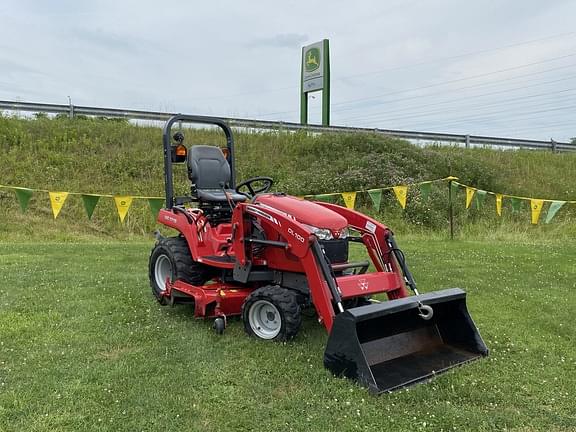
{"x": 306, "y": 212}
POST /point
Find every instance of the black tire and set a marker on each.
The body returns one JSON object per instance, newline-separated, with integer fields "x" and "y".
{"x": 272, "y": 300}
{"x": 171, "y": 256}
{"x": 219, "y": 325}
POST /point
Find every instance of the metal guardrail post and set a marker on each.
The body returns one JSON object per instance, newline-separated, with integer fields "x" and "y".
{"x": 450, "y": 210}
{"x": 467, "y": 141}
{"x": 70, "y": 108}
{"x": 553, "y": 145}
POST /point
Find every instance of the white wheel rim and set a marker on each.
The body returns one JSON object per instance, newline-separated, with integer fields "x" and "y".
{"x": 162, "y": 270}
{"x": 264, "y": 319}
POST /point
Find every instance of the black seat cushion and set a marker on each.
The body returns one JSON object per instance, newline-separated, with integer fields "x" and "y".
{"x": 209, "y": 171}
{"x": 218, "y": 195}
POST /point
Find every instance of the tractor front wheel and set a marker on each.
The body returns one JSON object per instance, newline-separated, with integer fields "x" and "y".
{"x": 171, "y": 259}
{"x": 272, "y": 313}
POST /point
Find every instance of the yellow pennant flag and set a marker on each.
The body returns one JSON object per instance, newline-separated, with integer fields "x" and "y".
{"x": 469, "y": 195}
{"x": 122, "y": 205}
{"x": 499, "y": 204}
{"x": 536, "y": 207}
{"x": 349, "y": 199}
{"x": 57, "y": 201}
{"x": 401, "y": 193}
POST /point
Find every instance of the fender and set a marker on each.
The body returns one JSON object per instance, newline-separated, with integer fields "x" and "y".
{"x": 193, "y": 233}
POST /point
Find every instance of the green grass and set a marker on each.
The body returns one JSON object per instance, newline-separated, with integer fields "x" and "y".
{"x": 84, "y": 346}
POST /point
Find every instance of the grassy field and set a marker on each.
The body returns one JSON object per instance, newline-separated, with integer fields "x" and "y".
{"x": 84, "y": 346}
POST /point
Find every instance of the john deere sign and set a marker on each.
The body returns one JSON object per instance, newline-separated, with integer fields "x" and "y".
{"x": 315, "y": 77}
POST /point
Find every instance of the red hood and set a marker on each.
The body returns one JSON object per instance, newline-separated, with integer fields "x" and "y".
{"x": 304, "y": 211}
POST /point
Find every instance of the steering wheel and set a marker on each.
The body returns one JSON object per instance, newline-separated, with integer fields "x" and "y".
{"x": 252, "y": 190}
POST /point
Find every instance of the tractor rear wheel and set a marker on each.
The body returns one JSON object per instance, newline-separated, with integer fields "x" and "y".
{"x": 170, "y": 258}
{"x": 272, "y": 313}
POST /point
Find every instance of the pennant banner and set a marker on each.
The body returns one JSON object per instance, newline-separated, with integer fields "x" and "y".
{"x": 329, "y": 198}
{"x": 469, "y": 195}
{"x": 553, "y": 209}
{"x": 425, "y": 189}
{"x": 57, "y": 200}
{"x": 349, "y": 199}
{"x": 23, "y": 196}
{"x": 376, "y": 197}
{"x": 90, "y": 202}
{"x": 401, "y": 193}
{"x": 155, "y": 205}
{"x": 480, "y": 197}
{"x": 122, "y": 205}
{"x": 499, "y": 204}
{"x": 474, "y": 197}
{"x": 516, "y": 204}
{"x": 454, "y": 187}
{"x": 536, "y": 206}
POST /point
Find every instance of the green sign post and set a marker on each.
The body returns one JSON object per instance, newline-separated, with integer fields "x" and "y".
{"x": 315, "y": 76}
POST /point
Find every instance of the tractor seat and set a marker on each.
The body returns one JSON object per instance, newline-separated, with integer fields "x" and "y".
{"x": 209, "y": 171}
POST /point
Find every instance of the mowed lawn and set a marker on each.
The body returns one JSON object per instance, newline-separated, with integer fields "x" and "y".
{"x": 84, "y": 346}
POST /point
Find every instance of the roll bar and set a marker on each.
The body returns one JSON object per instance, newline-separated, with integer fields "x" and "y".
{"x": 167, "y": 139}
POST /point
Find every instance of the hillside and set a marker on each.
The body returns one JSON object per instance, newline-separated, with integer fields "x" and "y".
{"x": 116, "y": 157}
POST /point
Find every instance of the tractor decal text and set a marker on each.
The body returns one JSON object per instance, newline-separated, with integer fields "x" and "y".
{"x": 258, "y": 212}
{"x": 296, "y": 235}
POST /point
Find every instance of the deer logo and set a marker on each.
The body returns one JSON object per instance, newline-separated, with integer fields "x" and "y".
{"x": 312, "y": 59}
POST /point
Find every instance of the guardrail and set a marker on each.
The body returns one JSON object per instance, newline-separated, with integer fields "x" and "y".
{"x": 467, "y": 140}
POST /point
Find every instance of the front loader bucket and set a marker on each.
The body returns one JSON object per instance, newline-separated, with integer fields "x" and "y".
{"x": 386, "y": 346}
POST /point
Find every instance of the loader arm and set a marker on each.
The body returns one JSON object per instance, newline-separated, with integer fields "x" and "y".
{"x": 300, "y": 242}
{"x": 374, "y": 235}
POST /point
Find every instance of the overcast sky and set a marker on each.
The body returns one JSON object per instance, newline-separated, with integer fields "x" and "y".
{"x": 505, "y": 68}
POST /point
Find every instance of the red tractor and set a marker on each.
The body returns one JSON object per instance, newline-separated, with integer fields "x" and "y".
{"x": 266, "y": 256}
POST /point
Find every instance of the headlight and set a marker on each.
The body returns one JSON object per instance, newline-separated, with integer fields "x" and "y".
{"x": 344, "y": 233}
{"x": 322, "y": 234}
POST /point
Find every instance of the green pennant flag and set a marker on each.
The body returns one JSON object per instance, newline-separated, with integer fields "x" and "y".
{"x": 454, "y": 188}
{"x": 425, "y": 189}
{"x": 480, "y": 196}
{"x": 516, "y": 204}
{"x": 329, "y": 198}
{"x": 553, "y": 209}
{"x": 23, "y": 196}
{"x": 90, "y": 202}
{"x": 376, "y": 197}
{"x": 155, "y": 205}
